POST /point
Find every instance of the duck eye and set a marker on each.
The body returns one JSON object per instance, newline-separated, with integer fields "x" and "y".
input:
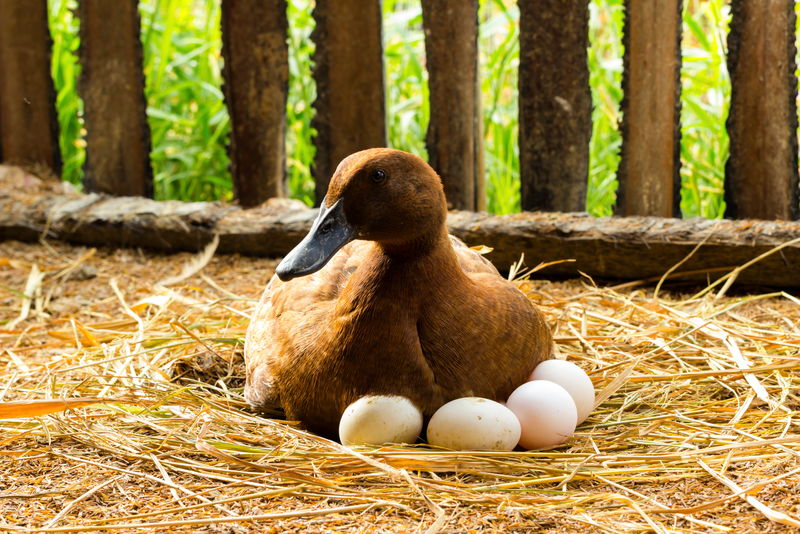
{"x": 378, "y": 176}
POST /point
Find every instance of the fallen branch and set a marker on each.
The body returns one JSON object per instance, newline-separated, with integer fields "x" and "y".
{"x": 628, "y": 248}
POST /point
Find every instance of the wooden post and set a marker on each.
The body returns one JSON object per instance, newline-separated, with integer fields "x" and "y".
{"x": 28, "y": 120}
{"x": 256, "y": 75}
{"x": 348, "y": 69}
{"x": 649, "y": 170}
{"x": 112, "y": 87}
{"x": 761, "y": 178}
{"x": 555, "y": 104}
{"x": 454, "y": 139}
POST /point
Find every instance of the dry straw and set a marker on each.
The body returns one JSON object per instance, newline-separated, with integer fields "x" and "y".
{"x": 694, "y": 431}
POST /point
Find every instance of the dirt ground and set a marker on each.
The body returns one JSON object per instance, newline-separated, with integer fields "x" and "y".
{"x": 685, "y": 441}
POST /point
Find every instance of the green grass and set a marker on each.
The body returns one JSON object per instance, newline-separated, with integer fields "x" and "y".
{"x": 65, "y": 70}
{"x": 605, "y": 80}
{"x": 299, "y": 146}
{"x": 498, "y": 62}
{"x": 407, "y": 112}
{"x": 706, "y": 92}
{"x": 190, "y": 125}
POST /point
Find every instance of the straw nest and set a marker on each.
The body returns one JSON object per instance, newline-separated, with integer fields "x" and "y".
{"x": 695, "y": 428}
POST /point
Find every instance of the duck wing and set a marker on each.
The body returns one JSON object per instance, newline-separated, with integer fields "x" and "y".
{"x": 286, "y": 318}
{"x": 470, "y": 260}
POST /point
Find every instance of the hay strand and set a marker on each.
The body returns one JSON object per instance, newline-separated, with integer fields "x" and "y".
{"x": 35, "y": 408}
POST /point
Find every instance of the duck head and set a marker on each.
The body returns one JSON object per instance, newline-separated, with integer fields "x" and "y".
{"x": 381, "y": 194}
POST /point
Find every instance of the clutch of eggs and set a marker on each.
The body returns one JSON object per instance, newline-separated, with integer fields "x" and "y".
{"x": 540, "y": 413}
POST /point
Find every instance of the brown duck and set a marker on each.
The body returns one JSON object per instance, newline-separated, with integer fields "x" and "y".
{"x": 379, "y": 299}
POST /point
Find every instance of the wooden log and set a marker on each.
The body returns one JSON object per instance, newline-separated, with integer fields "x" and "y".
{"x": 28, "y": 119}
{"x": 112, "y": 88}
{"x": 761, "y": 179}
{"x": 454, "y": 140}
{"x": 630, "y": 248}
{"x": 555, "y": 104}
{"x": 649, "y": 170}
{"x": 348, "y": 69}
{"x": 256, "y": 72}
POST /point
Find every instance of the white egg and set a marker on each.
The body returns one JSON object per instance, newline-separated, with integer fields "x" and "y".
{"x": 379, "y": 419}
{"x": 572, "y": 378}
{"x": 474, "y": 423}
{"x": 546, "y": 413}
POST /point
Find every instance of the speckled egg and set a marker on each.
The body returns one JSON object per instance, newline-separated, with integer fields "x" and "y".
{"x": 474, "y": 423}
{"x": 380, "y": 419}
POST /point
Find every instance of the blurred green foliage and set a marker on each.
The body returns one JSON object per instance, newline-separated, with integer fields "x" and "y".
{"x": 190, "y": 125}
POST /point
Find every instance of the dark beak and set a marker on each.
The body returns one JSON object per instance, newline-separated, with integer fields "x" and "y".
{"x": 328, "y": 234}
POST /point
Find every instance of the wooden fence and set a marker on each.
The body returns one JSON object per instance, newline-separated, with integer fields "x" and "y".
{"x": 555, "y": 101}
{"x": 761, "y": 176}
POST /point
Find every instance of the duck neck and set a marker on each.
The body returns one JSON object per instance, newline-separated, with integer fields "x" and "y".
{"x": 429, "y": 258}
{"x": 421, "y": 247}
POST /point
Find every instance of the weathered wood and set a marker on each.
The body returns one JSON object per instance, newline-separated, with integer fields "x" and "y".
{"x": 28, "y": 120}
{"x": 649, "y": 170}
{"x": 112, "y": 88}
{"x": 348, "y": 69}
{"x": 609, "y": 248}
{"x": 555, "y": 104}
{"x": 256, "y": 72}
{"x": 761, "y": 179}
{"x": 454, "y": 141}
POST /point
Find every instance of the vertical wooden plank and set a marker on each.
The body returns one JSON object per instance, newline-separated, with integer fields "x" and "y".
{"x": 555, "y": 104}
{"x": 649, "y": 170}
{"x": 348, "y": 69}
{"x": 761, "y": 178}
{"x": 28, "y": 120}
{"x": 112, "y": 88}
{"x": 454, "y": 140}
{"x": 256, "y": 75}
